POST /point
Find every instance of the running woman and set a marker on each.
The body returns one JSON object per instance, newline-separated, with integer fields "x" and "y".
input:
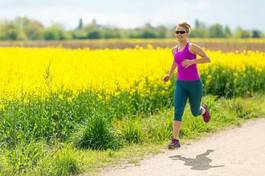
{"x": 188, "y": 83}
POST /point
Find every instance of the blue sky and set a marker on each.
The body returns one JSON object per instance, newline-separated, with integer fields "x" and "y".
{"x": 249, "y": 14}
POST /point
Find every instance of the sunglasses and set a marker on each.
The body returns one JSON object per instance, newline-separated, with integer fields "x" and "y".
{"x": 180, "y": 32}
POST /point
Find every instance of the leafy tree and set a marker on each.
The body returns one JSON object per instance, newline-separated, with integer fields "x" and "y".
{"x": 227, "y": 32}
{"x": 256, "y": 33}
{"x": 80, "y": 25}
{"x": 55, "y": 32}
{"x": 216, "y": 31}
{"x": 241, "y": 33}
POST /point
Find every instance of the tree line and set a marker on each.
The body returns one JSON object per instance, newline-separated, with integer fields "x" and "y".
{"x": 23, "y": 28}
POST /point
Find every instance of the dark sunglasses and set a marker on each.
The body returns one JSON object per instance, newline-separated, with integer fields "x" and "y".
{"x": 180, "y": 32}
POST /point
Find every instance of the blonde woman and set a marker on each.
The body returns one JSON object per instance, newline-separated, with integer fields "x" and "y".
{"x": 188, "y": 84}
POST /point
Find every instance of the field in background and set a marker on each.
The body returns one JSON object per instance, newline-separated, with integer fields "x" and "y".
{"x": 211, "y": 44}
{"x": 26, "y": 72}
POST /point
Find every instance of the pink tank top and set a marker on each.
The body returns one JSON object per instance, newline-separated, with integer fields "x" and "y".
{"x": 186, "y": 74}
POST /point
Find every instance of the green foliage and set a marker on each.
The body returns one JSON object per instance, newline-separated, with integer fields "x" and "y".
{"x": 216, "y": 31}
{"x": 65, "y": 164}
{"x": 98, "y": 134}
{"x": 242, "y": 109}
{"x": 103, "y": 132}
{"x": 231, "y": 83}
{"x": 55, "y": 32}
{"x": 23, "y": 158}
{"x": 132, "y": 132}
{"x": 22, "y": 28}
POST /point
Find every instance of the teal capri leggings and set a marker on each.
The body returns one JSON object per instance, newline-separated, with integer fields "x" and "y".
{"x": 187, "y": 89}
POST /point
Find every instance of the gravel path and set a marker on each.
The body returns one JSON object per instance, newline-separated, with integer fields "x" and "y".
{"x": 234, "y": 152}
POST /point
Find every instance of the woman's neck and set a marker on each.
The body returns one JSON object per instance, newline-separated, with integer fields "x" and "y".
{"x": 183, "y": 43}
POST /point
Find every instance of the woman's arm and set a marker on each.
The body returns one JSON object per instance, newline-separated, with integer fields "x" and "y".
{"x": 195, "y": 49}
{"x": 172, "y": 68}
{"x": 173, "y": 65}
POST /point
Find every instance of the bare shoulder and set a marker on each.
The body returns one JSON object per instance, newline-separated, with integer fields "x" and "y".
{"x": 194, "y": 46}
{"x": 197, "y": 50}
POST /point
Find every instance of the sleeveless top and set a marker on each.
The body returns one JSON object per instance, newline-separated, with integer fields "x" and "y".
{"x": 185, "y": 74}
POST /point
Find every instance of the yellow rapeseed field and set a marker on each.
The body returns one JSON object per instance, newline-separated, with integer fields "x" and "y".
{"x": 35, "y": 71}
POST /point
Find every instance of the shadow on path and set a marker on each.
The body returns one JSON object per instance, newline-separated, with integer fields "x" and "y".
{"x": 201, "y": 162}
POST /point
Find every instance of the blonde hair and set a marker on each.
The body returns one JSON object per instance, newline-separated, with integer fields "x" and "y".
{"x": 185, "y": 25}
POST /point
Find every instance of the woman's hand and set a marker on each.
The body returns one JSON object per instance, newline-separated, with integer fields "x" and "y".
{"x": 186, "y": 63}
{"x": 166, "y": 78}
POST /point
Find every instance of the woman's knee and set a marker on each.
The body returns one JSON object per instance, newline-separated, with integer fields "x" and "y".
{"x": 196, "y": 112}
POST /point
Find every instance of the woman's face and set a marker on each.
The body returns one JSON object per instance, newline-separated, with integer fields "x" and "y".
{"x": 181, "y": 33}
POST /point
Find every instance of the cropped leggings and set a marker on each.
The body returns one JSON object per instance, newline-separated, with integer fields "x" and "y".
{"x": 184, "y": 90}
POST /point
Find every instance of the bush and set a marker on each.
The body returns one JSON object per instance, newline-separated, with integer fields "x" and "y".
{"x": 98, "y": 134}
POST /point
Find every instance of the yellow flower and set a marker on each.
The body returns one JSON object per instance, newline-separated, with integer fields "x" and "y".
{"x": 39, "y": 72}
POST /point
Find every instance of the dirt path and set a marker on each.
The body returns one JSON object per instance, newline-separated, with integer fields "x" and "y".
{"x": 234, "y": 152}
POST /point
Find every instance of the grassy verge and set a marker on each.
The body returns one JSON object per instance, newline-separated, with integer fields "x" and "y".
{"x": 225, "y": 114}
{"x": 141, "y": 136}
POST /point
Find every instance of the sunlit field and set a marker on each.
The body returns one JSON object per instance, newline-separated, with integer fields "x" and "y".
{"x": 25, "y": 72}
{"x": 55, "y": 101}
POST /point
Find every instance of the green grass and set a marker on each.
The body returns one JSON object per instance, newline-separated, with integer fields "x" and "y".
{"x": 139, "y": 136}
{"x": 224, "y": 115}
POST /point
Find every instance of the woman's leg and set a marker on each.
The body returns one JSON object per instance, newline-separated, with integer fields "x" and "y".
{"x": 176, "y": 129}
{"x": 195, "y": 95}
{"x": 180, "y": 99}
{"x": 195, "y": 90}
